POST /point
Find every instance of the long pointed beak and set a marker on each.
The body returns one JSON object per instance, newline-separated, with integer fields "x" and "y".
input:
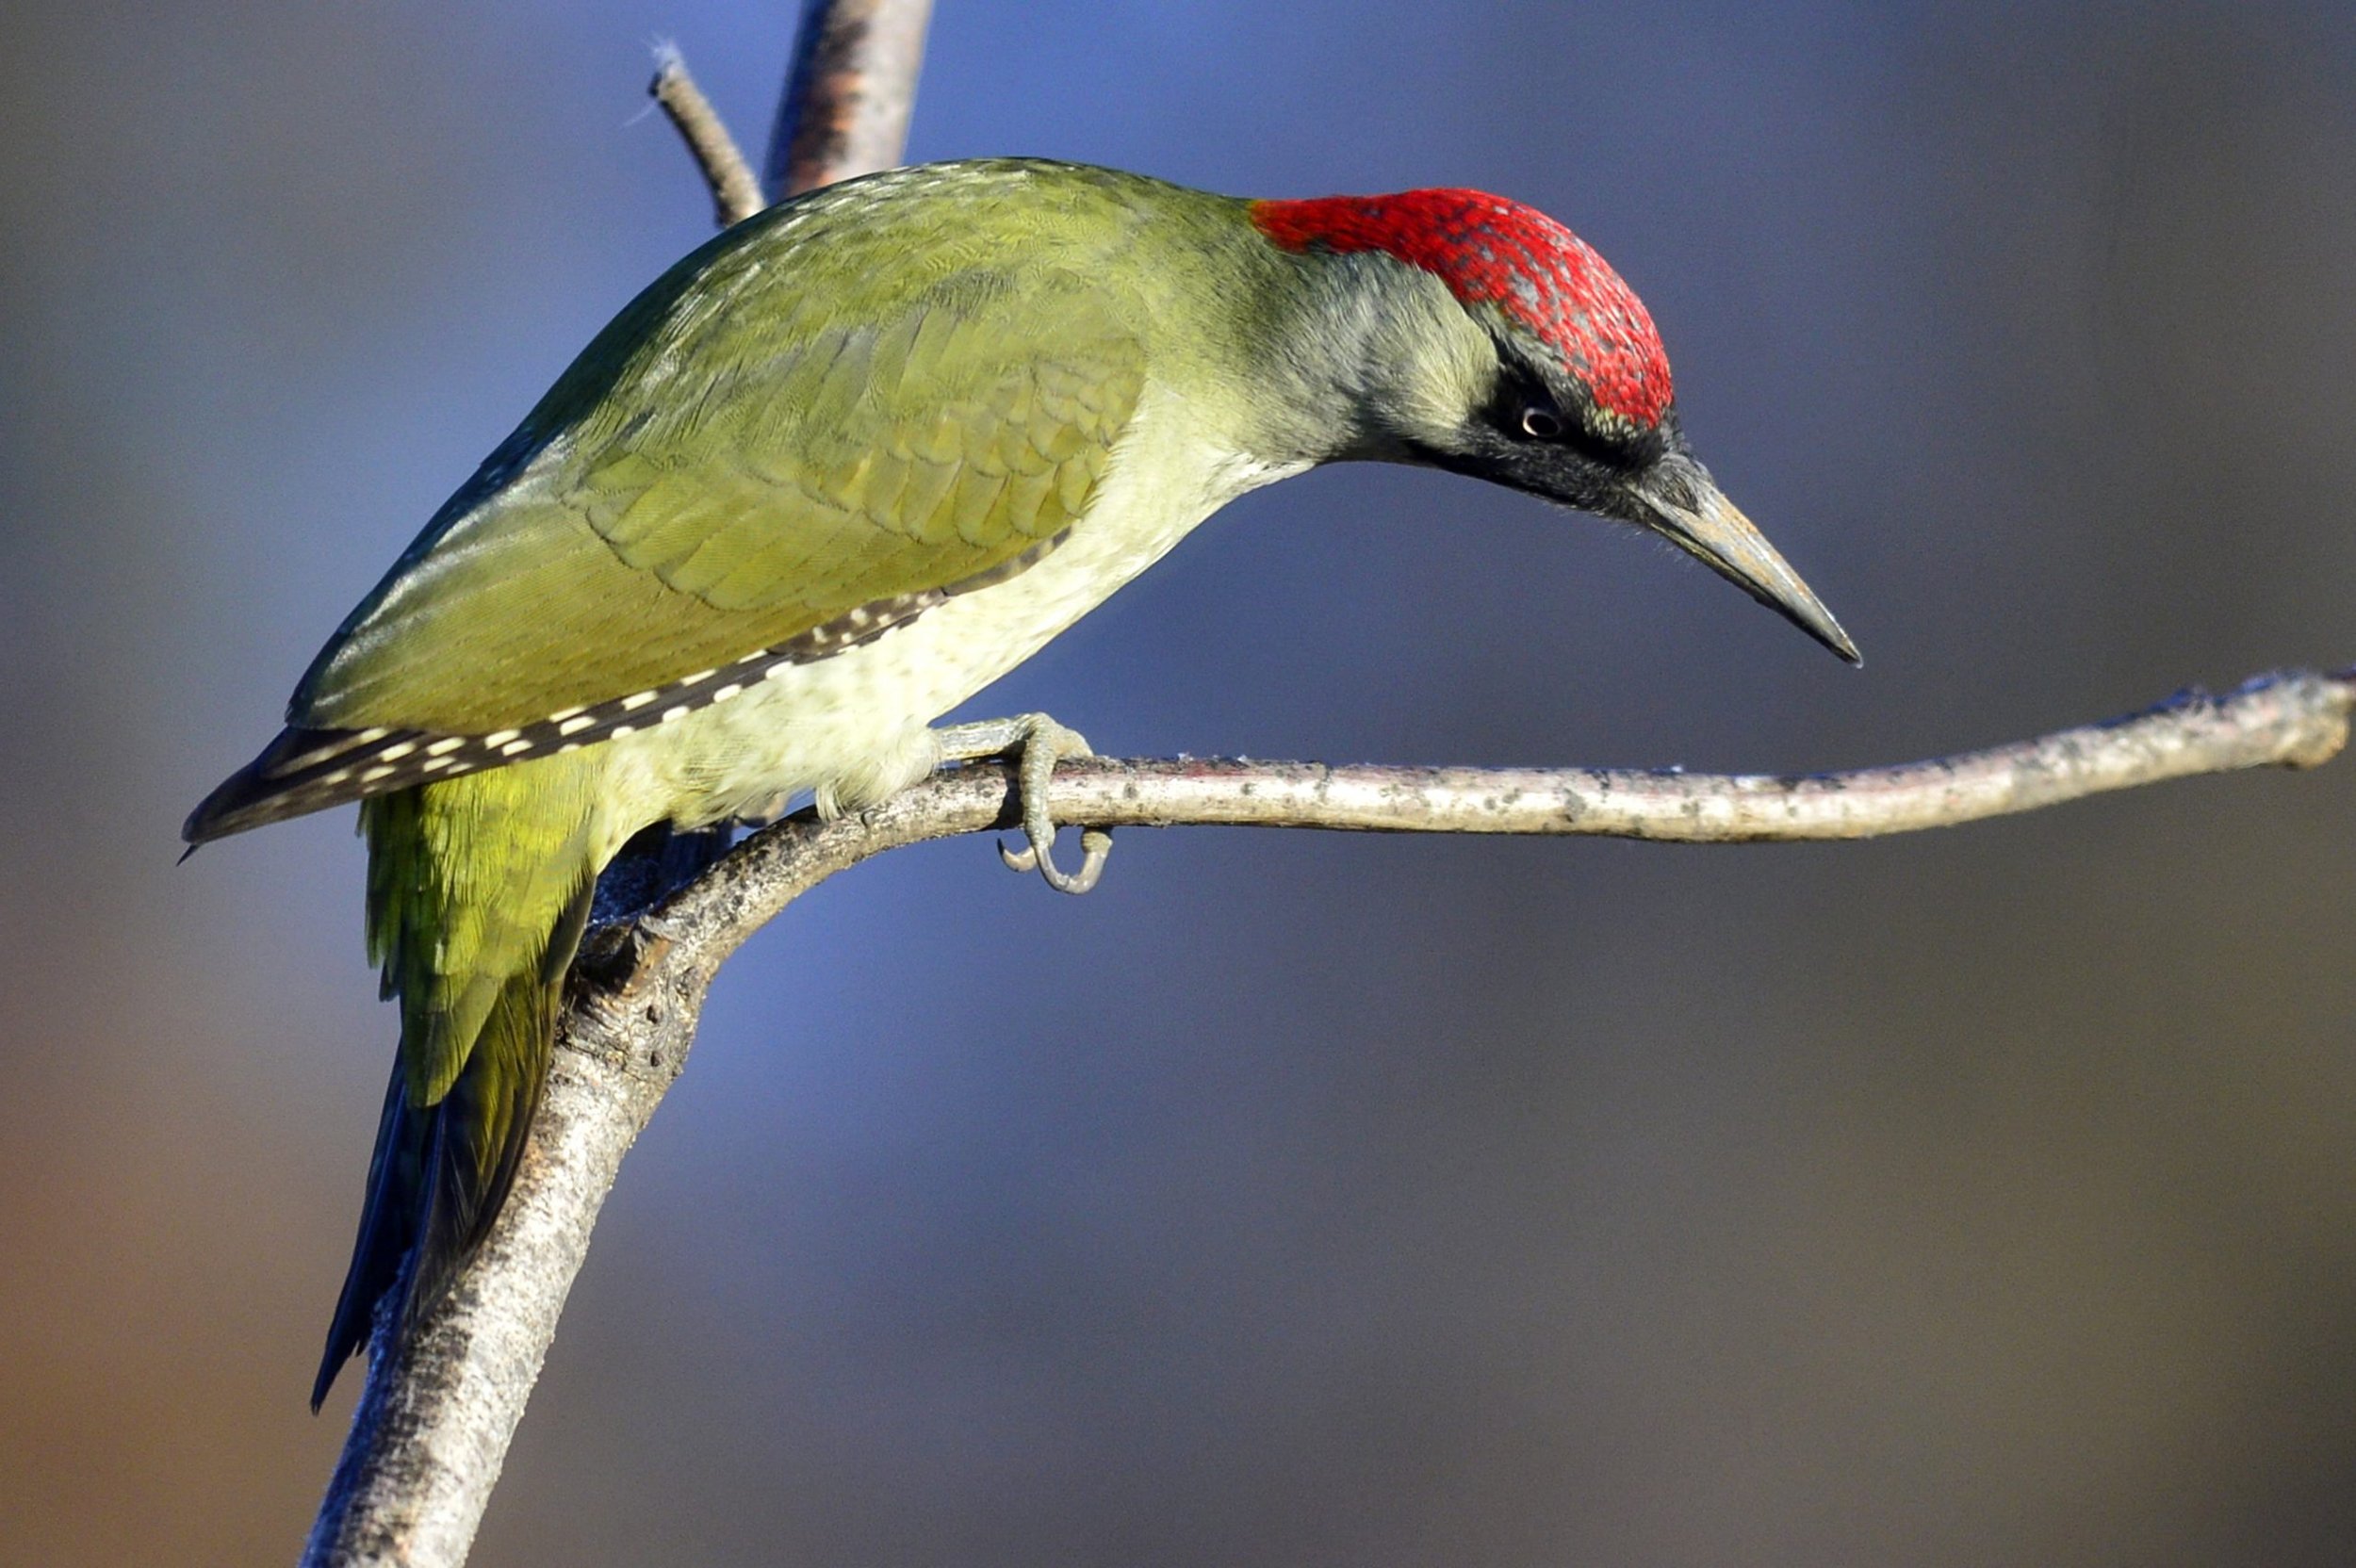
{"x": 1709, "y": 527}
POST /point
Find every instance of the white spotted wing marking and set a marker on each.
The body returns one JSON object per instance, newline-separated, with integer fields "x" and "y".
{"x": 308, "y": 770}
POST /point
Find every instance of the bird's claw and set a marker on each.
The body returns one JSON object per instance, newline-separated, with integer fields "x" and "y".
{"x": 1042, "y": 743}
{"x": 1096, "y": 844}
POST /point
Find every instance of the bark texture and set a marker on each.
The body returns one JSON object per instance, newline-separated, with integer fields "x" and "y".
{"x": 851, "y": 92}
{"x": 735, "y": 191}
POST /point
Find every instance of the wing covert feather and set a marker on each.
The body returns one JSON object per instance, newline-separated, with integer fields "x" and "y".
{"x": 740, "y": 477}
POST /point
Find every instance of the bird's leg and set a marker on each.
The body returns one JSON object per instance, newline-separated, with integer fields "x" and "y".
{"x": 1042, "y": 742}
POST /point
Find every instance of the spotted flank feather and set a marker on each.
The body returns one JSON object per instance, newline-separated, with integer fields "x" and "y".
{"x": 310, "y": 770}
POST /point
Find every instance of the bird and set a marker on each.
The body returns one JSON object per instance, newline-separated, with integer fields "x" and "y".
{"x": 823, "y": 480}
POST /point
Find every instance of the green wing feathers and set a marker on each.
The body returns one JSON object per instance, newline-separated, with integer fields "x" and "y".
{"x": 870, "y": 501}
{"x": 746, "y": 505}
{"x": 777, "y": 485}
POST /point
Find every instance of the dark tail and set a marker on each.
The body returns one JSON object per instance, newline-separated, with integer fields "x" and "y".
{"x": 441, "y": 1172}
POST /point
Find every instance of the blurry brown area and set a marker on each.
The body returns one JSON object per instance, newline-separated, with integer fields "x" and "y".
{"x": 1988, "y": 1195}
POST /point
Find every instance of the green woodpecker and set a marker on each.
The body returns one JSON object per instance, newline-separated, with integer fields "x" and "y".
{"x": 831, "y": 475}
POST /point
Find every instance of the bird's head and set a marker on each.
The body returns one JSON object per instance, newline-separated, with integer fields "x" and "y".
{"x": 1537, "y": 367}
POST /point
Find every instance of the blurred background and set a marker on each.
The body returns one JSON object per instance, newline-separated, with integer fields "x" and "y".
{"x": 1988, "y": 1195}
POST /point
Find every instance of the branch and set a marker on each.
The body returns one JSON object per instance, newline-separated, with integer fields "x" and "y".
{"x": 852, "y": 89}
{"x": 846, "y": 112}
{"x": 639, "y": 989}
{"x": 2295, "y": 719}
{"x": 735, "y": 193}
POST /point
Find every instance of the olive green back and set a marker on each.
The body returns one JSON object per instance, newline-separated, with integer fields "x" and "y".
{"x": 835, "y": 403}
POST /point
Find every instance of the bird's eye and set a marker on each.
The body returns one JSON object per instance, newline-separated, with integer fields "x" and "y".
{"x": 1541, "y": 424}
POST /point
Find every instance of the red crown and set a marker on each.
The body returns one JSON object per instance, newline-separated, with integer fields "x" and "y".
{"x": 1492, "y": 251}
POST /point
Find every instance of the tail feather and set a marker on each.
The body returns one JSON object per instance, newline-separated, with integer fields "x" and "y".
{"x": 480, "y": 988}
{"x": 482, "y": 1125}
{"x": 386, "y": 1221}
{"x": 441, "y": 1173}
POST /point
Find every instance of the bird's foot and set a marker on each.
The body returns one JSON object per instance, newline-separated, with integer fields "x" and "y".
{"x": 1043, "y": 743}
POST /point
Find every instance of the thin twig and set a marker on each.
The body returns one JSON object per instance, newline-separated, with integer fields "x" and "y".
{"x": 735, "y": 193}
